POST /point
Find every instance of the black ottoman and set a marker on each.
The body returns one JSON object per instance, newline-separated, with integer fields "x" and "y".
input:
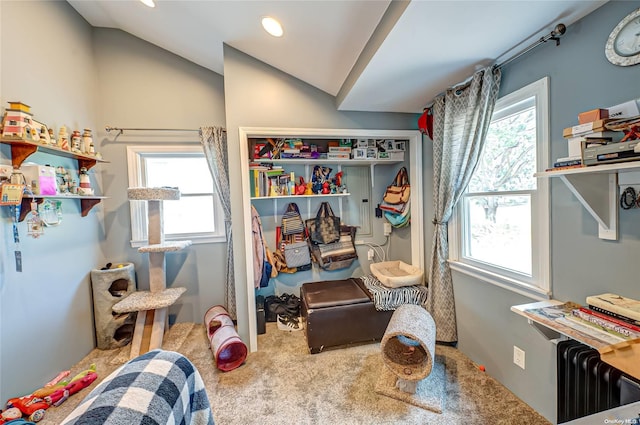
{"x": 339, "y": 312}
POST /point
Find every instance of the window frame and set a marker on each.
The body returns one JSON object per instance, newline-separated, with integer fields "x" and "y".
{"x": 538, "y": 286}
{"x": 138, "y": 210}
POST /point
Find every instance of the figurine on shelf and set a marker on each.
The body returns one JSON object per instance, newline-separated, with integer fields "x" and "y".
{"x": 87, "y": 141}
{"x": 63, "y": 138}
{"x": 76, "y": 141}
{"x": 325, "y": 188}
{"x": 85, "y": 183}
{"x": 52, "y": 137}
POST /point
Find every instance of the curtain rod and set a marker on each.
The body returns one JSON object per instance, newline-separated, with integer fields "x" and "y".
{"x": 558, "y": 31}
{"x": 121, "y": 130}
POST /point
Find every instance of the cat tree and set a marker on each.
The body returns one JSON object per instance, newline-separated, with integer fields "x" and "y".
{"x": 152, "y": 305}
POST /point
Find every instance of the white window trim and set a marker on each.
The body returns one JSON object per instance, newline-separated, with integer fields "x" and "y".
{"x": 139, "y": 212}
{"x": 540, "y": 227}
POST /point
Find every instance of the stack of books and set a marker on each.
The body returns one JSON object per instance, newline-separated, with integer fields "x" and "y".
{"x": 610, "y": 314}
{"x": 590, "y": 131}
{"x": 269, "y": 180}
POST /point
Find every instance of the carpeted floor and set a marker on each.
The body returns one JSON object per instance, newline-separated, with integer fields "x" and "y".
{"x": 283, "y": 384}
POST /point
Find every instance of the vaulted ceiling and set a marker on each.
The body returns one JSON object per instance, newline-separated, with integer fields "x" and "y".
{"x": 376, "y": 55}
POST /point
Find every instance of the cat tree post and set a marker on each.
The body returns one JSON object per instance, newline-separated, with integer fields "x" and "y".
{"x": 152, "y": 305}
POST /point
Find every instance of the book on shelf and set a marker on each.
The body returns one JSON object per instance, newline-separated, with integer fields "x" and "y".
{"x": 632, "y": 326}
{"x": 553, "y": 312}
{"x": 566, "y": 167}
{"x": 576, "y": 324}
{"x": 605, "y": 325}
{"x": 566, "y": 163}
{"x": 626, "y": 307}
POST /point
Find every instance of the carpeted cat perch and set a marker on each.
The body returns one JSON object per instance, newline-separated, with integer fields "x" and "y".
{"x": 412, "y": 374}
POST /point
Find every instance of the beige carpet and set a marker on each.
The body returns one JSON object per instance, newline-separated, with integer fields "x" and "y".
{"x": 283, "y": 384}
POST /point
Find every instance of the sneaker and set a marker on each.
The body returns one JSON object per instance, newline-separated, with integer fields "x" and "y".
{"x": 289, "y": 323}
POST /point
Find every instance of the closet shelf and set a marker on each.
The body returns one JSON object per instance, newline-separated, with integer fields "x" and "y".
{"x": 329, "y": 195}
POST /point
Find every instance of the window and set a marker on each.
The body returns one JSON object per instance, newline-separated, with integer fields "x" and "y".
{"x": 501, "y": 228}
{"x": 198, "y": 215}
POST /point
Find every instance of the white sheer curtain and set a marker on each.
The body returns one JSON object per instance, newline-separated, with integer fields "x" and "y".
{"x": 461, "y": 118}
{"x": 214, "y": 143}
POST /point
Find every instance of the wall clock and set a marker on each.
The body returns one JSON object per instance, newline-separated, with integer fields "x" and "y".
{"x": 623, "y": 45}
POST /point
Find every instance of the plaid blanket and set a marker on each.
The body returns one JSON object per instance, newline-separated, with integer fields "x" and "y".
{"x": 386, "y": 299}
{"x": 158, "y": 387}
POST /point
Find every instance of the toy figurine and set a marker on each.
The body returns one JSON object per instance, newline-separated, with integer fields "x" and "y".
{"x": 325, "y": 188}
{"x": 309, "y": 190}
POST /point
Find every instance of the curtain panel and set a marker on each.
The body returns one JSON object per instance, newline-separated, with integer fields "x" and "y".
{"x": 214, "y": 144}
{"x": 461, "y": 118}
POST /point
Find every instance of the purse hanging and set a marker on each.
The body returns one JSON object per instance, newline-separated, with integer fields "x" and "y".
{"x": 325, "y": 227}
{"x": 291, "y": 220}
{"x": 400, "y": 190}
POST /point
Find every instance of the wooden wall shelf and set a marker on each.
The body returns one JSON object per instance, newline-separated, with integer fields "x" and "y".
{"x": 86, "y": 203}
{"x": 623, "y": 355}
{"x": 21, "y": 149}
{"x": 596, "y": 187}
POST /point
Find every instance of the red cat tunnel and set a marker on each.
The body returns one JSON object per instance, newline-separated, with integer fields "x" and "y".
{"x": 227, "y": 347}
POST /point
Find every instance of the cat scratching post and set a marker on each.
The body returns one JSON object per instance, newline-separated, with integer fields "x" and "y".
{"x": 408, "y": 352}
{"x": 152, "y": 305}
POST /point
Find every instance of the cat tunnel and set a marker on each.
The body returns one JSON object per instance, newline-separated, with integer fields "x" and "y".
{"x": 227, "y": 347}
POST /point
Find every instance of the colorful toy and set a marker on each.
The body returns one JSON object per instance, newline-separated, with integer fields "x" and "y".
{"x": 59, "y": 396}
{"x": 33, "y": 407}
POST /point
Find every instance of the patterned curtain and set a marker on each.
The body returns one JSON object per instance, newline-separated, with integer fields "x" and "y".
{"x": 461, "y": 118}
{"x": 214, "y": 143}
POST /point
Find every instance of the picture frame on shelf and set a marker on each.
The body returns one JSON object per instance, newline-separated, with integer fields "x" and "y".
{"x": 372, "y": 153}
{"x": 400, "y": 146}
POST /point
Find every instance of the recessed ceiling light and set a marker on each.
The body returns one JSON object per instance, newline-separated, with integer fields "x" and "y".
{"x": 272, "y": 26}
{"x": 149, "y": 3}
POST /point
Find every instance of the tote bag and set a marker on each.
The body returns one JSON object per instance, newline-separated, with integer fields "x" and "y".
{"x": 325, "y": 227}
{"x": 291, "y": 220}
{"x": 399, "y": 191}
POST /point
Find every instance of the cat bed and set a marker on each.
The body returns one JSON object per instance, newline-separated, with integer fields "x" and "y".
{"x": 394, "y": 274}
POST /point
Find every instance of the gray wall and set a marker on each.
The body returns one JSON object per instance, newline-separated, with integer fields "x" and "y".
{"x": 86, "y": 77}
{"x": 581, "y": 79}
{"x": 257, "y": 95}
{"x": 46, "y": 320}
{"x": 142, "y": 86}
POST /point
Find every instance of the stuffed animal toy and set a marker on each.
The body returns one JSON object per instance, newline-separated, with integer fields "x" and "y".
{"x": 77, "y": 383}
{"x": 30, "y": 406}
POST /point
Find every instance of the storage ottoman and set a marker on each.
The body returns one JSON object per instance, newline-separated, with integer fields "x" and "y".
{"x": 339, "y": 312}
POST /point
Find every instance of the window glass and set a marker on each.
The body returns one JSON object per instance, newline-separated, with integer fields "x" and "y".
{"x": 197, "y": 215}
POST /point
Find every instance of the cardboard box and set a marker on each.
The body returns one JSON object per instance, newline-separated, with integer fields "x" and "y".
{"x": 592, "y": 115}
{"x": 581, "y": 129}
{"x": 338, "y": 155}
{"x": 339, "y": 149}
{"x": 41, "y": 178}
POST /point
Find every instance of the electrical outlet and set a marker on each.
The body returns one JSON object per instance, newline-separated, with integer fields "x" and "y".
{"x": 370, "y": 254}
{"x": 518, "y": 356}
{"x": 387, "y": 229}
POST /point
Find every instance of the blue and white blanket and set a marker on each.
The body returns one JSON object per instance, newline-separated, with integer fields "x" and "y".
{"x": 158, "y": 387}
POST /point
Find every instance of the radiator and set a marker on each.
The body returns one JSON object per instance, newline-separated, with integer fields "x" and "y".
{"x": 586, "y": 385}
